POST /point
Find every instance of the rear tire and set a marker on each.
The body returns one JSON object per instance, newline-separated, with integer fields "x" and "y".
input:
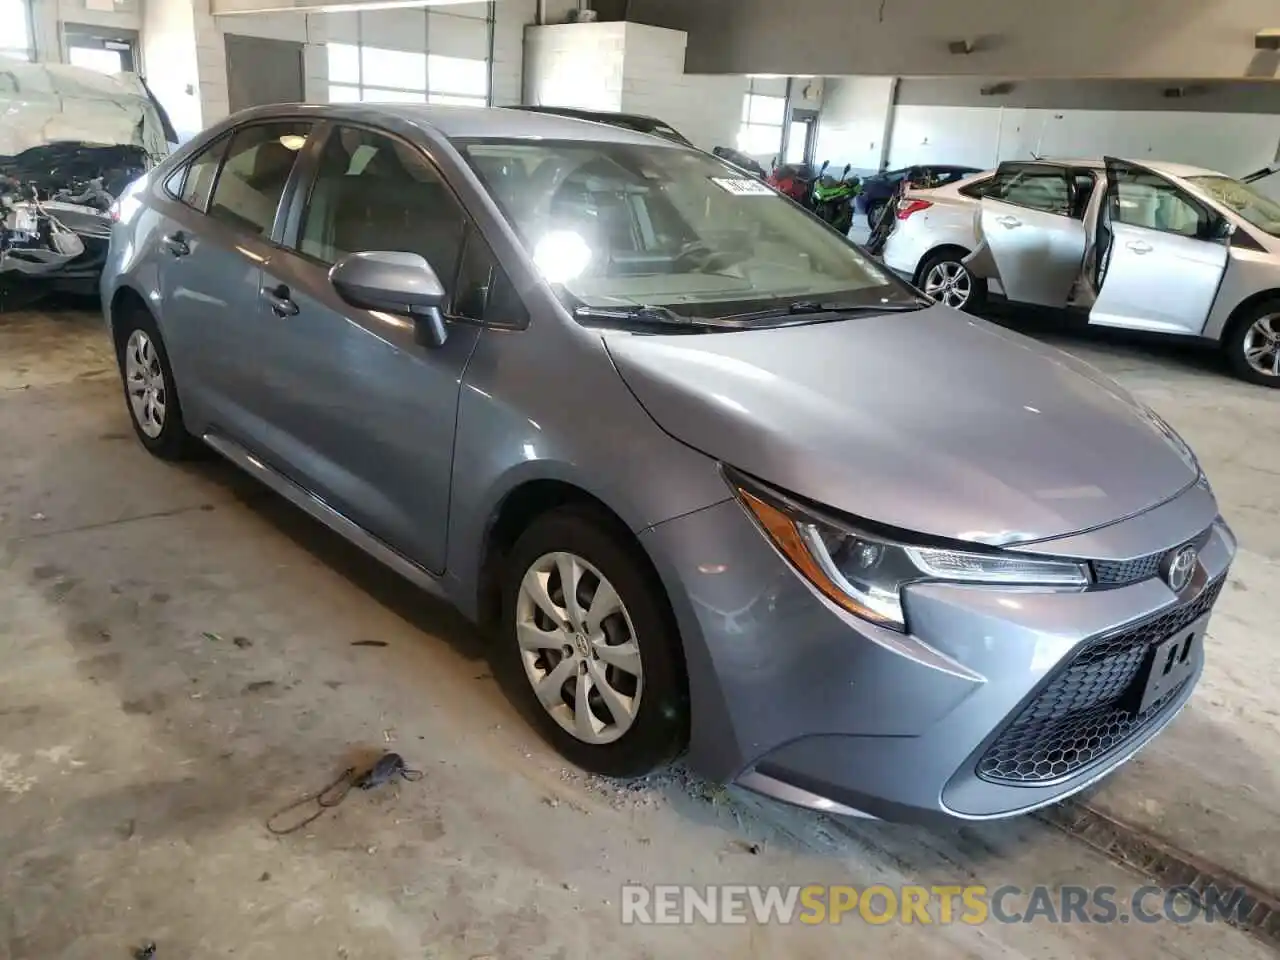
{"x": 953, "y": 285}
{"x": 150, "y": 393}
{"x": 635, "y": 721}
{"x": 1252, "y": 344}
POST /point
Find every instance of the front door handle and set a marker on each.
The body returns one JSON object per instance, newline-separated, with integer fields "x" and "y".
{"x": 1009, "y": 222}
{"x": 1139, "y": 246}
{"x": 176, "y": 244}
{"x": 281, "y": 304}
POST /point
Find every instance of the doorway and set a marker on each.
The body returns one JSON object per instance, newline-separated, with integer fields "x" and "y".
{"x": 104, "y": 49}
{"x": 802, "y": 131}
{"x": 262, "y": 71}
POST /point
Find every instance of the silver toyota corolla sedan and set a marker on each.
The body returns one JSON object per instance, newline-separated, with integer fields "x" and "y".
{"x": 713, "y": 479}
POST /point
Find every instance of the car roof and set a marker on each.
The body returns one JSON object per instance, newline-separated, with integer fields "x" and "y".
{"x": 1165, "y": 167}
{"x": 464, "y": 122}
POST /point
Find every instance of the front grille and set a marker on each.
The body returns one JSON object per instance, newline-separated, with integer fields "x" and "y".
{"x": 1088, "y": 708}
{"x": 1114, "y": 572}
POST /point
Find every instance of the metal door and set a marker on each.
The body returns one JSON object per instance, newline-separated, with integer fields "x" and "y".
{"x": 261, "y": 71}
{"x": 1028, "y": 239}
{"x": 1161, "y": 258}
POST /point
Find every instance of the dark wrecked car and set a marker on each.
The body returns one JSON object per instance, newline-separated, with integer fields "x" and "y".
{"x": 71, "y": 141}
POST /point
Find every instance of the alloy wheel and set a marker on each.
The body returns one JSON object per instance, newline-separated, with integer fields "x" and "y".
{"x": 1262, "y": 345}
{"x": 949, "y": 283}
{"x": 578, "y": 648}
{"x": 144, "y": 380}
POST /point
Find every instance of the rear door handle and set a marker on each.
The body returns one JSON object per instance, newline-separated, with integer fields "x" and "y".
{"x": 1139, "y": 246}
{"x": 1009, "y": 222}
{"x": 176, "y": 244}
{"x": 281, "y": 304}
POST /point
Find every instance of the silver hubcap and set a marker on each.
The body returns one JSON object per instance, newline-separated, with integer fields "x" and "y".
{"x": 948, "y": 283}
{"x": 579, "y": 648}
{"x": 1262, "y": 345}
{"x": 145, "y": 383}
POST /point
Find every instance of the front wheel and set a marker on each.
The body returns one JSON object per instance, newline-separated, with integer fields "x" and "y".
{"x": 945, "y": 279}
{"x": 589, "y": 646}
{"x": 875, "y": 211}
{"x": 1252, "y": 344}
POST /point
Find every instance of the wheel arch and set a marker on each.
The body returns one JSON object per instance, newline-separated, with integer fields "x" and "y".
{"x": 123, "y": 298}
{"x": 1242, "y": 309}
{"x": 963, "y": 251}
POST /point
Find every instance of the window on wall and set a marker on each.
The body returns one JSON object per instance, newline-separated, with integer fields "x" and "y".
{"x": 15, "y": 30}
{"x": 762, "y": 119}
{"x": 363, "y": 73}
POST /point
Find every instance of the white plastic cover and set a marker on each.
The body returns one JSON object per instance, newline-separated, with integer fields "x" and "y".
{"x": 44, "y": 103}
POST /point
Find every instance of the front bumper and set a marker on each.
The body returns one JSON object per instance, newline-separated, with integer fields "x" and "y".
{"x": 795, "y": 699}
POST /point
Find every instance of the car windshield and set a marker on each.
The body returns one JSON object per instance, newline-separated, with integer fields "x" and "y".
{"x": 616, "y": 225}
{"x": 1243, "y": 200}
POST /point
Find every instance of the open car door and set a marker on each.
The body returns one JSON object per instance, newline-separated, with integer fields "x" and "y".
{"x": 1161, "y": 253}
{"x": 1029, "y": 237}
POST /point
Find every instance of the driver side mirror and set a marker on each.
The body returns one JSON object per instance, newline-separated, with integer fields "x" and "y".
{"x": 395, "y": 282}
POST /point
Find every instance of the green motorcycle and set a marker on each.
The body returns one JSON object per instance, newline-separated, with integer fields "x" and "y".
{"x": 832, "y": 199}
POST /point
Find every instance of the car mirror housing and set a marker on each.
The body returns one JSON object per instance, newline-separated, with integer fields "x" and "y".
{"x": 396, "y": 282}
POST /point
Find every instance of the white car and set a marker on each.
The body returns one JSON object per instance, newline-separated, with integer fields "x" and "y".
{"x": 1159, "y": 247}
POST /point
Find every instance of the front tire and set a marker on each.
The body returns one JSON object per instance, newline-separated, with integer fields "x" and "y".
{"x": 589, "y": 648}
{"x": 1252, "y": 344}
{"x": 150, "y": 393}
{"x": 875, "y": 211}
{"x": 945, "y": 279}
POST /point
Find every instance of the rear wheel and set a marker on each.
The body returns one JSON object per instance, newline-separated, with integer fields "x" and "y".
{"x": 875, "y": 210}
{"x": 945, "y": 279}
{"x": 590, "y": 648}
{"x": 149, "y": 388}
{"x": 1252, "y": 344}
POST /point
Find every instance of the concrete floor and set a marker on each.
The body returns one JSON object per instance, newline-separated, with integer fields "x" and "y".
{"x": 179, "y": 662}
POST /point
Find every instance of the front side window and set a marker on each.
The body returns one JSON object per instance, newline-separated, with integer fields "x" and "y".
{"x": 1243, "y": 200}
{"x": 1142, "y": 199}
{"x": 1037, "y": 188}
{"x": 374, "y": 192}
{"x": 258, "y": 161}
{"x": 612, "y": 224}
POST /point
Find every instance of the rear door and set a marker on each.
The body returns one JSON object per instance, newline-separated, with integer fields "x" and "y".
{"x": 1161, "y": 254}
{"x": 1029, "y": 239}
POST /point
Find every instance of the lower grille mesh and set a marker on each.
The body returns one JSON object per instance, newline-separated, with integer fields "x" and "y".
{"x": 1087, "y": 710}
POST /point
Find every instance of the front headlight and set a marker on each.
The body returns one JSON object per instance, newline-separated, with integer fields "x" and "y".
{"x": 864, "y": 573}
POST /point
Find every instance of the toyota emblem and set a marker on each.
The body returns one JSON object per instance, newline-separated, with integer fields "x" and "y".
{"x": 1179, "y": 567}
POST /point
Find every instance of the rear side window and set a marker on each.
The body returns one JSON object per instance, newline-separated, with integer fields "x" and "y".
{"x": 258, "y": 162}
{"x": 978, "y": 188}
{"x": 1035, "y": 187}
{"x": 374, "y": 192}
{"x": 201, "y": 172}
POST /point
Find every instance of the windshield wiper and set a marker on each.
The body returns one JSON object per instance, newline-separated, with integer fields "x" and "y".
{"x": 650, "y": 315}
{"x": 805, "y": 308}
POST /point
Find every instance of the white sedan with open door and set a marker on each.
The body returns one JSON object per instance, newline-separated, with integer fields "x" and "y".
{"x": 1159, "y": 247}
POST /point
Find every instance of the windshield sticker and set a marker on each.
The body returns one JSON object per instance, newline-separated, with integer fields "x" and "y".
{"x": 743, "y": 187}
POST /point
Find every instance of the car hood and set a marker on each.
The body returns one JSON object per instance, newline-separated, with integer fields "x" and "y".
{"x": 931, "y": 421}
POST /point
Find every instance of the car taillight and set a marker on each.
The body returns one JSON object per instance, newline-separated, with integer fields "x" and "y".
{"x": 907, "y": 208}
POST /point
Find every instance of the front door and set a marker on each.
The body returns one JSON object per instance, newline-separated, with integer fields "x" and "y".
{"x": 360, "y": 412}
{"x": 1030, "y": 239}
{"x": 1161, "y": 254}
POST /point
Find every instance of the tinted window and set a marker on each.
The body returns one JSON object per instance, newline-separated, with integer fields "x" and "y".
{"x": 200, "y": 176}
{"x": 1039, "y": 188}
{"x": 978, "y": 188}
{"x": 1144, "y": 200}
{"x": 373, "y": 192}
{"x": 249, "y": 187}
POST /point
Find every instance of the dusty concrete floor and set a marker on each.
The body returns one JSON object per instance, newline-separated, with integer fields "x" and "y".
{"x": 179, "y": 662}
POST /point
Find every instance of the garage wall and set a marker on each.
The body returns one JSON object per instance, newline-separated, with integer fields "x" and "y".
{"x": 856, "y": 122}
{"x": 1234, "y": 128}
{"x": 635, "y": 69}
